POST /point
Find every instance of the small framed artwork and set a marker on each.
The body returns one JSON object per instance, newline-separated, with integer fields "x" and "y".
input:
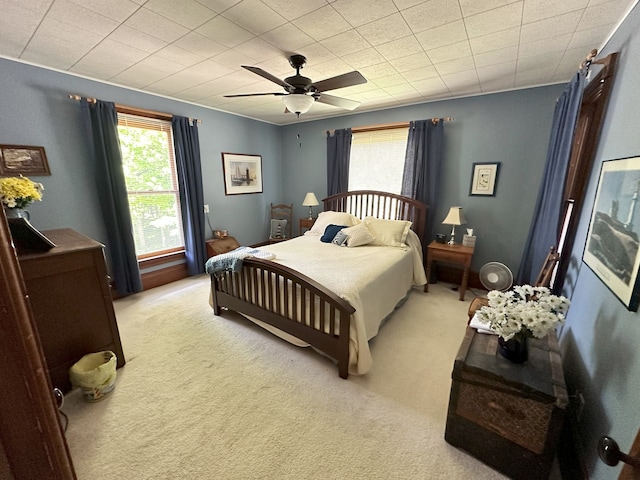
{"x": 23, "y": 160}
{"x": 611, "y": 251}
{"x": 242, "y": 173}
{"x": 484, "y": 177}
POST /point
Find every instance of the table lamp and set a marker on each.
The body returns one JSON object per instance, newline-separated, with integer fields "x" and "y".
{"x": 454, "y": 217}
{"x": 310, "y": 201}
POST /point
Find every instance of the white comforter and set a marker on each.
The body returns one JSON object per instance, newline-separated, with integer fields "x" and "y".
{"x": 373, "y": 279}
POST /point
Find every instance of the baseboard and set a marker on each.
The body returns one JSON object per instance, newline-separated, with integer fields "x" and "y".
{"x": 163, "y": 276}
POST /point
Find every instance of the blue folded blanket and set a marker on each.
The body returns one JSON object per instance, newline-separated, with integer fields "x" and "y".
{"x": 232, "y": 261}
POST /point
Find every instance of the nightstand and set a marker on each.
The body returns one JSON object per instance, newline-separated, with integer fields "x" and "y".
{"x": 305, "y": 223}
{"x": 456, "y": 254}
{"x": 216, "y": 246}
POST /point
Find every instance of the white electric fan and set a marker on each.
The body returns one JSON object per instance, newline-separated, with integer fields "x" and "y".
{"x": 496, "y": 276}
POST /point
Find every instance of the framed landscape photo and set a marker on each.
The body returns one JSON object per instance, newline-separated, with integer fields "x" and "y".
{"x": 483, "y": 179}
{"x": 611, "y": 251}
{"x": 242, "y": 173}
{"x": 23, "y": 160}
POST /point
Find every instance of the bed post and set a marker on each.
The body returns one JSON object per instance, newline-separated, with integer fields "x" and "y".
{"x": 214, "y": 297}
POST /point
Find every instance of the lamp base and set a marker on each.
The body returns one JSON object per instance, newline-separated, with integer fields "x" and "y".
{"x": 452, "y": 240}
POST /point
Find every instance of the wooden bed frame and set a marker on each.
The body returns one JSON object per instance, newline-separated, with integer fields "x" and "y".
{"x": 262, "y": 279}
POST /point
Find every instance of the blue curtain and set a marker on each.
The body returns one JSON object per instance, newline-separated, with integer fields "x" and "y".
{"x": 101, "y": 120}
{"x": 187, "y": 149}
{"x": 338, "y": 153}
{"x": 422, "y": 163}
{"x": 545, "y": 226}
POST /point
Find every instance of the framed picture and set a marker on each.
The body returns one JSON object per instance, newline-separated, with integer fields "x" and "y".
{"x": 612, "y": 250}
{"x": 23, "y": 160}
{"x": 483, "y": 178}
{"x": 242, "y": 173}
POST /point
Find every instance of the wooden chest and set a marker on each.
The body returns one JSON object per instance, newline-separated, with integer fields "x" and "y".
{"x": 507, "y": 415}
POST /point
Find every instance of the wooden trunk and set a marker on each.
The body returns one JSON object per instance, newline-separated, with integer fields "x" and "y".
{"x": 507, "y": 415}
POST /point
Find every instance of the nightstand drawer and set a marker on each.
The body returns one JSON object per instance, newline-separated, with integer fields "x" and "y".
{"x": 453, "y": 257}
{"x": 217, "y": 246}
{"x": 306, "y": 224}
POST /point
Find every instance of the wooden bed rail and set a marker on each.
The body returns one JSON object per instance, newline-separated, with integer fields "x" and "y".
{"x": 289, "y": 301}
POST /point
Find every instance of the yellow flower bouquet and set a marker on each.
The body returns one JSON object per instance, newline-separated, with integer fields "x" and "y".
{"x": 18, "y": 192}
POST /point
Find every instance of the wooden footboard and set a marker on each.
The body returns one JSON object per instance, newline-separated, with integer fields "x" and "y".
{"x": 289, "y": 301}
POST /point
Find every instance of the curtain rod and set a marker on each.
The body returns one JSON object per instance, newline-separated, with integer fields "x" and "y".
{"x": 390, "y": 126}
{"x": 589, "y": 60}
{"x": 133, "y": 110}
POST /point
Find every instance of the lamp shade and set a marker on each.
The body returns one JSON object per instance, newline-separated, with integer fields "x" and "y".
{"x": 310, "y": 200}
{"x": 455, "y": 217}
{"x": 298, "y": 103}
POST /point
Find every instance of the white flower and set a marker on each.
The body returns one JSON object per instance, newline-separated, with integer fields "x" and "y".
{"x": 532, "y": 309}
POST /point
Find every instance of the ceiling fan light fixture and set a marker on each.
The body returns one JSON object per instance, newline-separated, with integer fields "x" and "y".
{"x": 298, "y": 103}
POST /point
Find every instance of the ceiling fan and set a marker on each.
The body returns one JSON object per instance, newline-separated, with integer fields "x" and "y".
{"x": 301, "y": 92}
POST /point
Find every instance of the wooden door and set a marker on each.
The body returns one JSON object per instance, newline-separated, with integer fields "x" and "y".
{"x": 585, "y": 143}
{"x": 31, "y": 424}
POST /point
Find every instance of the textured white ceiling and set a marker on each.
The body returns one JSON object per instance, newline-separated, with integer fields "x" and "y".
{"x": 410, "y": 51}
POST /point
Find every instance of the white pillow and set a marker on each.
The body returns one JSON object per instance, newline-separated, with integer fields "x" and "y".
{"x": 358, "y": 235}
{"x": 392, "y": 233}
{"x": 337, "y": 218}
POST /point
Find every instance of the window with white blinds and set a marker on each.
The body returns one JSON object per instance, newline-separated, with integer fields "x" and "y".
{"x": 377, "y": 160}
{"x": 152, "y": 184}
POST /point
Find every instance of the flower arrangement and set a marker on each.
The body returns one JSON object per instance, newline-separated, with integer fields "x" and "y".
{"x": 523, "y": 310}
{"x": 18, "y": 192}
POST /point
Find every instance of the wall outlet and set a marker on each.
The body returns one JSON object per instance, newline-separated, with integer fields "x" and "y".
{"x": 206, "y": 209}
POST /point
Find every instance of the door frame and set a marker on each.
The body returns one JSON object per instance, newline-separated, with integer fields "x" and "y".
{"x": 33, "y": 423}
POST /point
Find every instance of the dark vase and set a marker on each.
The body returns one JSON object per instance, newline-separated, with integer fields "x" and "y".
{"x": 516, "y": 349}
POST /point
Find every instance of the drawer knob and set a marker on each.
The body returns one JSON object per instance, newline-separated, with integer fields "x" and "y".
{"x": 610, "y": 453}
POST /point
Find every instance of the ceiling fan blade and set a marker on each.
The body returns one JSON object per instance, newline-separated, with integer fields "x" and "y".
{"x": 338, "y": 102}
{"x": 340, "y": 81}
{"x": 267, "y": 75}
{"x": 254, "y": 94}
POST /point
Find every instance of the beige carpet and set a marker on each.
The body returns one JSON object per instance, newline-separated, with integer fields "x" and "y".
{"x": 203, "y": 397}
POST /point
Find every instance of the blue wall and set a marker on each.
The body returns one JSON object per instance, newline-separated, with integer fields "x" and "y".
{"x": 35, "y": 110}
{"x": 600, "y": 339}
{"x": 511, "y": 128}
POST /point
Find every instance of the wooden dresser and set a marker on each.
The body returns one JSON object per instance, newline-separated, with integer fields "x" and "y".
{"x": 508, "y": 415}
{"x": 69, "y": 292}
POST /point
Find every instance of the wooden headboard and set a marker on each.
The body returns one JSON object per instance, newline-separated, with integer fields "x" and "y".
{"x": 370, "y": 203}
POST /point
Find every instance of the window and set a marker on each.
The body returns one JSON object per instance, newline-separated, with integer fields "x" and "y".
{"x": 152, "y": 185}
{"x": 377, "y": 159}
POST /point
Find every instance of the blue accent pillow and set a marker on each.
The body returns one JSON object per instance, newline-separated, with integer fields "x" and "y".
{"x": 330, "y": 232}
